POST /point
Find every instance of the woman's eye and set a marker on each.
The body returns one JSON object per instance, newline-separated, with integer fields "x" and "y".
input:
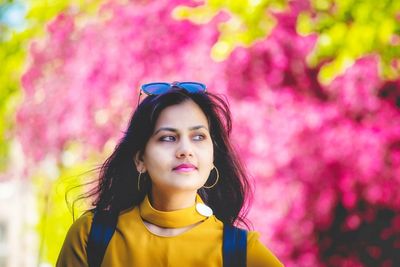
{"x": 168, "y": 138}
{"x": 199, "y": 137}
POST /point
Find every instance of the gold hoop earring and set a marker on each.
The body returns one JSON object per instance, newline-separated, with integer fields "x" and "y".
{"x": 138, "y": 181}
{"x": 216, "y": 181}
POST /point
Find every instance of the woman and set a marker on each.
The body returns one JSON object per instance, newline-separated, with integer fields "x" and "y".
{"x": 172, "y": 183}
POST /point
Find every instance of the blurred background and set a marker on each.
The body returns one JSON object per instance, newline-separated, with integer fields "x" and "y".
{"x": 314, "y": 88}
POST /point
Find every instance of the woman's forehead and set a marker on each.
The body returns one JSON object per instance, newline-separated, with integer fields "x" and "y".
{"x": 184, "y": 115}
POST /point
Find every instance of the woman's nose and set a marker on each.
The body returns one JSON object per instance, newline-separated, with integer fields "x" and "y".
{"x": 184, "y": 149}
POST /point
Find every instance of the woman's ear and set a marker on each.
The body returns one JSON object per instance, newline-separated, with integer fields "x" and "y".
{"x": 139, "y": 163}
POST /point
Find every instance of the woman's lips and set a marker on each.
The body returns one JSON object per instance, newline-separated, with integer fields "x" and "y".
{"x": 185, "y": 168}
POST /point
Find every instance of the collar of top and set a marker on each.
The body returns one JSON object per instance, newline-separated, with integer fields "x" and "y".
{"x": 177, "y": 218}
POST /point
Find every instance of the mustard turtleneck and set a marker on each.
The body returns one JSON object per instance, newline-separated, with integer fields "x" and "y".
{"x": 134, "y": 245}
{"x": 177, "y": 218}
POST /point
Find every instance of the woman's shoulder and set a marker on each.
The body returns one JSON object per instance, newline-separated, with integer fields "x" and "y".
{"x": 73, "y": 250}
{"x": 81, "y": 227}
{"x": 258, "y": 254}
{"x": 84, "y": 221}
{"x": 252, "y": 236}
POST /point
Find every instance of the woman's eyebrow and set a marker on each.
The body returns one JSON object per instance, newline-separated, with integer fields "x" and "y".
{"x": 170, "y": 129}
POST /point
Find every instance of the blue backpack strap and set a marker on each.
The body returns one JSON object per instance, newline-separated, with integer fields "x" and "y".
{"x": 234, "y": 246}
{"x": 101, "y": 232}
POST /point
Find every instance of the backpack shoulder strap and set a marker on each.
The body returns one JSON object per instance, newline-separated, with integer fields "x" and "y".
{"x": 101, "y": 232}
{"x": 234, "y": 246}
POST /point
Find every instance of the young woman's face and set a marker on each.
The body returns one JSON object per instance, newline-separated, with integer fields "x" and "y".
{"x": 179, "y": 155}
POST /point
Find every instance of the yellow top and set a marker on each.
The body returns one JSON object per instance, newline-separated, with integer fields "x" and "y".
{"x": 133, "y": 244}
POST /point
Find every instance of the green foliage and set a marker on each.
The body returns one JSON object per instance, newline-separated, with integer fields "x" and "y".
{"x": 7, "y": 96}
{"x": 249, "y": 21}
{"x": 350, "y": 29}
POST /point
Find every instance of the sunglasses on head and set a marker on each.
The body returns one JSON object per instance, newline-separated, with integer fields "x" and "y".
{"x": 160, "y": 88}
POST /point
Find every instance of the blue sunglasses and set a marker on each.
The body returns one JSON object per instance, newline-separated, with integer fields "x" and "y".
{"x": 160, "y": 88}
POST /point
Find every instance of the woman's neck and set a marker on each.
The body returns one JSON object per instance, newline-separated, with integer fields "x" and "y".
{"x": 171, "y": 201}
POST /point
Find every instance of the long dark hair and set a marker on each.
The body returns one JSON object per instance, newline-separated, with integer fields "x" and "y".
{"x": 117, "y": 187}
